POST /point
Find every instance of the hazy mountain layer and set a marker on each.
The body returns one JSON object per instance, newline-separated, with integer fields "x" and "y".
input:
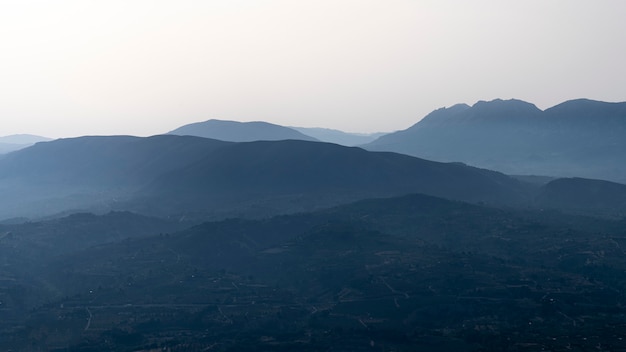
{"x": 96, "y": 173}
{"x": 234, "y": 131}
{"x": 578, "y": 138}
{"x": 339, "y": 137}
{"x": 19, "y": 141}
{"x": 177, "y": 175}
{"x": 298, "y": 176}
{"x": 198, "y": 178}
{"x": 181, "y": 174}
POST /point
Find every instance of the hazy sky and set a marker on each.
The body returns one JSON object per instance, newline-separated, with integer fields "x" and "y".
{"x": 144, "y": 67}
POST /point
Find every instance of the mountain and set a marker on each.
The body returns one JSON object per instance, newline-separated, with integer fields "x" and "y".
{"x": 234, "y": 131}
{"x": 23, "y": 139}
{"x": 170, "y": 174}
{"x": 297, "y": 176}
{"x": 19, "y": 141}
{"x": 578, "y": 138}
{"x": 95, "y": 173}
{"x": 339, "y": 137}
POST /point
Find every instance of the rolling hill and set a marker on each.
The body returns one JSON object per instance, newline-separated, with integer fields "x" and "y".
{"x": 338, "y": 137}
{"x": 234, "y": 131}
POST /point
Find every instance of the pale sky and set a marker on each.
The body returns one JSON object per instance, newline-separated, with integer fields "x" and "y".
{"x": 144, "y": 67}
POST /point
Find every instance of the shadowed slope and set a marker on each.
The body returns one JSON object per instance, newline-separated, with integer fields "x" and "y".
{"x": 298, "y": 175}
{"x": 177, "y": 175}
{"x": 579, "y": 194}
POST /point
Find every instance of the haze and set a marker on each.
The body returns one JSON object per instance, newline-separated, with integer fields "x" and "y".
{"x": 72, "y": 68}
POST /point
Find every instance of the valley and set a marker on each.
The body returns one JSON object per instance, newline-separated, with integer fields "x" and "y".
{"x": 387, "y": 274}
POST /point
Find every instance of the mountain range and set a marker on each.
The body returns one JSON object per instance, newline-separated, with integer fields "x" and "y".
{"x": 170, "y": 174}
{"x": 578, "y": 138}
{"x": 246, "y": 243}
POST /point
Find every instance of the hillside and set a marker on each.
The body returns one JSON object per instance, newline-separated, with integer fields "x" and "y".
{"x": 170, "y": 175}
{"x": 383, "y": 274}
{"x": 234, "y": 131}
{"x": 104, "y": 160}
{"x": 19, "y": 141}
{"x": 94, "y": 173}
{"x": 578, "y": 138}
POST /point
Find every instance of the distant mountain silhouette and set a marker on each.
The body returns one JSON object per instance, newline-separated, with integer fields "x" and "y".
{"x": 581, "y": 138}
{"x": 19, "y": 141}
{"x": 183, "y": 174}
{"x": 339, "y": 137}
{"x": 234, "y": 131}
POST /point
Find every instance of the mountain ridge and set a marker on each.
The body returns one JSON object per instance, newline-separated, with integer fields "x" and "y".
{"x": 374, "y": 270}
{"x": 183, "y": 173}
{"x": 577, "y": 138}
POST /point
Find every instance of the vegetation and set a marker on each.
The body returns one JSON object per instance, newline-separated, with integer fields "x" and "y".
{"x": 396, "y": 274}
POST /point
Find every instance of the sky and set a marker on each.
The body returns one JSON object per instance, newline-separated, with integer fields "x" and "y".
{"x": 145, "y": 67}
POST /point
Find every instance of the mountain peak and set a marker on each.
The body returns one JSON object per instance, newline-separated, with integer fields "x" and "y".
{"x": 579, "y": 137}
{"x": 510, "y": 104}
